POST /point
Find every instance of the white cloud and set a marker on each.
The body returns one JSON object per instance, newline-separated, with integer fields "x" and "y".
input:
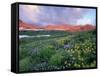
{"x": 28, "y": 11}
{"x": 84, "y": 21}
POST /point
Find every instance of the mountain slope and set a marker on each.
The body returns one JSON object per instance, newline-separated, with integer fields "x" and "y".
{"x": 70, "y": 28}
{"x": 65, "y": 27}
{"x": 25, "y": 26}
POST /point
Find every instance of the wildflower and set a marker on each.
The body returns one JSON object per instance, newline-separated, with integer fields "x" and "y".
{"x": 67, "y": 46}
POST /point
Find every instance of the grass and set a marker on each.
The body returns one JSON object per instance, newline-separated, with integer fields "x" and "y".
{"x": 62, "y": 50}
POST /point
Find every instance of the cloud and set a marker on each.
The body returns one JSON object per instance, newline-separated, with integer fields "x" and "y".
{"x": 88, "y": 18}
{"x": 27, "y": 13}
{"x": 84, "y": 21}
{"x": 42, "y": 15}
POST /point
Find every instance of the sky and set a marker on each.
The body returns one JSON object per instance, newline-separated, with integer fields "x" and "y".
{"x": 46, "y": 15}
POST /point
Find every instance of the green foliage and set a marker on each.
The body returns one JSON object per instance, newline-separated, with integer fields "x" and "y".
{"x": 23, "y": 53}
{"x": 50, "y": 54}
{"x": 25, "y": 64}
{"x": 56, "y": 59}
{"x": 46, "y": 53}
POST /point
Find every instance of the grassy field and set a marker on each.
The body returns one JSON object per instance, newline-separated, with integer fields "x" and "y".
{"x": 61, "y": 50}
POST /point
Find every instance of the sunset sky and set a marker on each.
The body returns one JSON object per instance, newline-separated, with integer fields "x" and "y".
{"x": 45, "y": 15}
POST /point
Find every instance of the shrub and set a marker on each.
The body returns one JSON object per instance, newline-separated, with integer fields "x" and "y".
{"x": 24, "y": 52}
{"x": 56, "y": 59}
{"x": 46, "y": 53}
{"x": 25, "y": 64}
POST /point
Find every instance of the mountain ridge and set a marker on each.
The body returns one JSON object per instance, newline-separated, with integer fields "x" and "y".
{"x": 64, "y": 27}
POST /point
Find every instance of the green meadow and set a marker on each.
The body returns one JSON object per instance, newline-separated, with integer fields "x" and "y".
{"x": 59, "y": 50}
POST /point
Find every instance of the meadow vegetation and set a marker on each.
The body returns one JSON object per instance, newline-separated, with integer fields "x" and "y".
{"x": 62, "y": 50}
